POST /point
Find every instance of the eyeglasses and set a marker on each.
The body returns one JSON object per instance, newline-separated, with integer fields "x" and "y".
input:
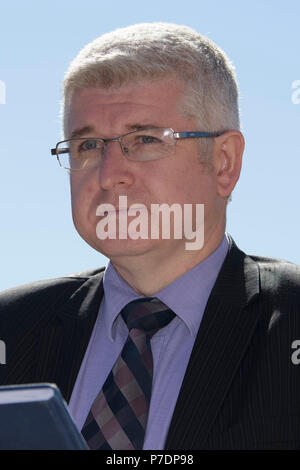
{"x": 140, "y": 146}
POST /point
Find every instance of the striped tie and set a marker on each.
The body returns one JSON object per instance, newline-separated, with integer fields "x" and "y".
{"x": 118, "y": 417}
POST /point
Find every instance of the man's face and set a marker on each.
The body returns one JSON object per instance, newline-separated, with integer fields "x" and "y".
{"x": 179, "y": 178}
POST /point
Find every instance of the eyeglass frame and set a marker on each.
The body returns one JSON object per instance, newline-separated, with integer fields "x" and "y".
{"x": 177, "y": 136}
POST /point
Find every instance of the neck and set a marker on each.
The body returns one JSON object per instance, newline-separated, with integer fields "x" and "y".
{"x": 148, "y": 273}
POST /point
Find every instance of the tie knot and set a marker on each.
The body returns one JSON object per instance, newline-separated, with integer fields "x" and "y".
{"x": 148, "y": 314}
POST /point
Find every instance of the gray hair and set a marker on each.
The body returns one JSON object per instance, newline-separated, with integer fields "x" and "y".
{"x": 151, "y": 51}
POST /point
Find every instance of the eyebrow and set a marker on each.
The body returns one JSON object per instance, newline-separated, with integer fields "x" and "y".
{"x": 91, "y": 130}
{"x": 82, "y": 131}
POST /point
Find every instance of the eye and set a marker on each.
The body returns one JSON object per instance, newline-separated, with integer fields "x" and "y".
{"x": 89, "y": 145}
{"x": 148, "y": 139}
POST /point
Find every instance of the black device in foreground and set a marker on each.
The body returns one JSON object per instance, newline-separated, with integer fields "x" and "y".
{"x": 36, "y": 417}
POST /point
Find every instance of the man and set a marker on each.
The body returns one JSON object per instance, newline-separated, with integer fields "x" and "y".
{"x": 151, "y": 118}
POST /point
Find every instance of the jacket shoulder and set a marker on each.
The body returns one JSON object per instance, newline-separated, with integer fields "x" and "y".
{"x": 45, "y": 291}
{"x": 277, "y": 275}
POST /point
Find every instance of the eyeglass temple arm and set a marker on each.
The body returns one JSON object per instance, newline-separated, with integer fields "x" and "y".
{"x": 56, "y": 152}
{"x": 188, "y": 135}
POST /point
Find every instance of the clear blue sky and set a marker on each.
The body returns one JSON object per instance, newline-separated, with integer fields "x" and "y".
{"x": 37, "y": 42}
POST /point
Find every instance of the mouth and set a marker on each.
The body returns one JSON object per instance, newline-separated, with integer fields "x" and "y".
{"x": 124, "y": 210}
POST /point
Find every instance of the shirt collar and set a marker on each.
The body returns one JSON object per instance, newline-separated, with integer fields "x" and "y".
{"x": 186, "y": 296}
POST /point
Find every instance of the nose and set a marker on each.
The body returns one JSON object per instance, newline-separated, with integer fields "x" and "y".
{"x": 115, "y": 169}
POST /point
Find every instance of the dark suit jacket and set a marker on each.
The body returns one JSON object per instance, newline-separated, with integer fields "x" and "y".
{"x": 241, "y": 389}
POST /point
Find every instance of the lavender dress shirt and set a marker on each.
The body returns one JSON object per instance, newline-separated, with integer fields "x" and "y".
{"x": 171, "y": 347}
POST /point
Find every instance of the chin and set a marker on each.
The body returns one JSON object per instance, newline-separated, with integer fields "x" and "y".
{"x": 115, "y": 248}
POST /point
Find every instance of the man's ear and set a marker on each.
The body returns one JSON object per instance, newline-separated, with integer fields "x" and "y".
{"x": 227, "y": 158}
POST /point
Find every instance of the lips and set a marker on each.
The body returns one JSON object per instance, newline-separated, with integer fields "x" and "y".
{"x": 124, "y": 210}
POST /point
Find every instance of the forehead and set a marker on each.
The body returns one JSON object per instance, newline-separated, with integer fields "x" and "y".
{"x": 109, "y": 110}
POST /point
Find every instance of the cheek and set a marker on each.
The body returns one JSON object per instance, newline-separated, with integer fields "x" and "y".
{"x": 190, "y": 186}
{"x": 82, "y": 191}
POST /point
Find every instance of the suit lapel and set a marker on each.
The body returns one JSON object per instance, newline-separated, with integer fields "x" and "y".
{"x": 222, "y": 339}
{"x": 70, "y": 331}
{"x": 52, "y": 349}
